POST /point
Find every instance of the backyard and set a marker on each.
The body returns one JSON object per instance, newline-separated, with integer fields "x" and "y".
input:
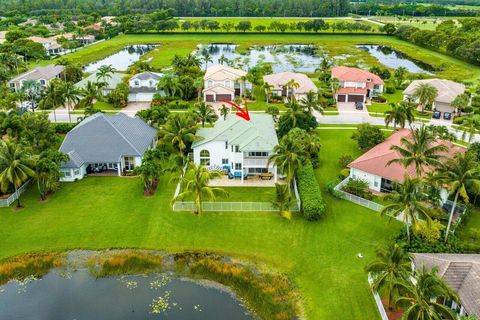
{"x": 111, "y": 212}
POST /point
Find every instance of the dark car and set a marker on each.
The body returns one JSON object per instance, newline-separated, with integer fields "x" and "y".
{"x": 447, "y": 115}
{"x": 359, "y": 105}
{"x": 437, "y": 115}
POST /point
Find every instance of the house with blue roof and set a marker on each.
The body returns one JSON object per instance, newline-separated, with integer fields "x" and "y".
{"x": 238, "y": 146}
{"x": 102, "y": 143}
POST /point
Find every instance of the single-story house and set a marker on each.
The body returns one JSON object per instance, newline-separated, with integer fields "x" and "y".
{"x": 112, "y": 82}
{"x": 462, "y": 274}
{"x": 50, "y": 44}
{"x": 41, "y": 74}
{"x": 239, "y": 146}
{"x": 224, "y": 83}
{"x": 447, "y": 92}
{"x": 279, "y": 81}
{"x": 373, "y": 166}
{"x": 356, "y": 85}
{"x": 143, "y": 86}
{"x": 103, "y": 142}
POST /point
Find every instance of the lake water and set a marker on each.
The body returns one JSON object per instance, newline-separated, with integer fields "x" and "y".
{"x": 62, "y": 295}
{"x": 394, "y": 59}
{"x": 122, "y": 59}
{"x": 292, "y": 57}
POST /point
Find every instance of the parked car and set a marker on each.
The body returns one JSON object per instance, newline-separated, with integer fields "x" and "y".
{"x": 447, "y": 115}
{"x": 437, "y": 115}
{"x": 359, "y": 105}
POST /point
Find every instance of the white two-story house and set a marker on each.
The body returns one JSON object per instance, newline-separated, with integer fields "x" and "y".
{"x": 143, "y": 86}
{"x": 224, "y": 83}
{"x": 356, "y": 85}
{"x": 238, "y": 146}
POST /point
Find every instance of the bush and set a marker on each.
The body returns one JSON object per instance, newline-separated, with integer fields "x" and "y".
{"x": 419, "y": 245}
{"x": 368, "y": 136}
{"x": 458, "y": 120}
{"x": 344, "y": 173}
{"x": 178, "y": 104}
{"x": 390, "y": 89}
{"x": 358, "y": 187}
{"x": 313, "y": 206}
{"x": 467, "y": 109}
{"x": 330, "y": 186}
{"x": 379, "y": 99}
{"x": 345, "y": 160}
{"x": 63, "y": 128}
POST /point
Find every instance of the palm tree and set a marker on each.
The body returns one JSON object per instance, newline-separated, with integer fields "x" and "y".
{"x": 105, "y": 72}
{"x": 282, "y": 200}
{"x": 419, "y": 149}
{"x": 170, "y": 85}
{"x": 178, "y": 131}
{"x": 294, "y": 110}
{"x": 469, "y": 126}
{"x": 426, "y": 94}
{"x": 287, "y": 156}
{"x": 407, "y": 202}
{"x": 89, "y": 93}
{"x": 32, "y": 91}
{"x": 70, "y": 95}
{"x": 206, "y": 57}
{"x": 52, "y": 97}
{"x": 291, "y": 85}
{"x": 16, "y": 167}
{"x": 222, "y": 59}
{"x": 195, "y": 185}
{"x": 399, "y": 115}
{"x": 391, "y": 265}
{"x": 205, "y": 113}
{"x": 312, "y": 102}
{"x": 334, "y": 85}
{"x": 324, "y": 67}
{"x": 422, "y": 295}
{"x": 198, "y": 83}
{"x": 224, "y": 111}
{"x": 267, "y": 87}
{"x": 460, "y": 174}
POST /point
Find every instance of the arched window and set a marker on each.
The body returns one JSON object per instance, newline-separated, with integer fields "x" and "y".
{"x": 205, "y": 157}
{"x": 209, "y": 83}
{"x": 151, "y": 83}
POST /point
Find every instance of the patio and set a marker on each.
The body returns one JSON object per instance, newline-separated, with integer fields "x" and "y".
{"x": 251, "y": 181}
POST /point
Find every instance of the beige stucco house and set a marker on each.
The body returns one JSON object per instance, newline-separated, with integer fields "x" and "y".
{"x": 279, "y": 82}
{"x": 224, "y": 83}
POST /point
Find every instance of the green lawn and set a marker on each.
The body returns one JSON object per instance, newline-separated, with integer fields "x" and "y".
{"x": 334, "y": 44}
{"x": 391, "y": 98}
{"x": 321, "y": 257}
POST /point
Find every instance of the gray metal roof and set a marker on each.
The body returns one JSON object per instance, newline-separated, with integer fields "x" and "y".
{"x": 106, "y": 138}
{"x": 111, "y": 82}
{"x": 147, "y": 75}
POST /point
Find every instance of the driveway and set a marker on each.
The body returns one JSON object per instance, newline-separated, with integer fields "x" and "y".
{"x": 133, "y": 107}
{"x": 349, "y": 107}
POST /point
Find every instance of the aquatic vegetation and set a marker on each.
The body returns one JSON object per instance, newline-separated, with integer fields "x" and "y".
{"x": 26, "y": 266}
{"x": 161, "y": 304}
{"x": 161, "y": 281}
{"x": 131, "y": 262}
{"x": 130, "y": 284}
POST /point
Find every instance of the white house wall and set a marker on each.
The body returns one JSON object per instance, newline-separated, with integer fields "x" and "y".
{"x": 217, "y": 152}
{"x": 75, "y": 173}
{"x": 374, "y": 181}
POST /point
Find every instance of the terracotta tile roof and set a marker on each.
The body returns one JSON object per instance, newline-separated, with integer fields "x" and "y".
{"x": 355, "y": 74}
{"x": 352, "y": 91}
{"x": 375, "y": 160}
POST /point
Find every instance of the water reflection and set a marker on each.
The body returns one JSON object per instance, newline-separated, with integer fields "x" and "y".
{"x": 122, "y": 59}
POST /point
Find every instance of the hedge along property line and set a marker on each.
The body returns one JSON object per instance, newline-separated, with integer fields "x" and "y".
{"x": 313, "y": 206}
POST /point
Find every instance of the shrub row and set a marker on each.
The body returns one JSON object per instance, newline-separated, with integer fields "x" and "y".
{"x": 313, "y": 206}
{"x": 63, "y": 128}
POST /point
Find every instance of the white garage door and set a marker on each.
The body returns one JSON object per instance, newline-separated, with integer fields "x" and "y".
{"x": 144, "y": 97}
{"x": 443, "y": 107}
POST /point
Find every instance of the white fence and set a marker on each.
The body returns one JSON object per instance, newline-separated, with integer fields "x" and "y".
{"x": 378, "y": 301}
{"x": 229, "y": 206}
{"x": 355, "y": 199}
{"x": 14, "y": 196}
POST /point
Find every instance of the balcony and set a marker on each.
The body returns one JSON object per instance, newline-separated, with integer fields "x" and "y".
{"x": 255, "y": 162}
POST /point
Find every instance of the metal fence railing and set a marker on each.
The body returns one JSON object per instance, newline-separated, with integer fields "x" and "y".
{"x": 14, "y": 196}
{"x": 229, "y": 206}
{"x": 356, "y": 199}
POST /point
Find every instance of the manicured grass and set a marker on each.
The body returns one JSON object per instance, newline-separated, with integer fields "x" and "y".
{"x": 248, "y": 194}
{"x": 472, "y": 226}
{"x": 391, "y": 98}
{"x": 334, "y": 44}
{"x": 321, "y": 257}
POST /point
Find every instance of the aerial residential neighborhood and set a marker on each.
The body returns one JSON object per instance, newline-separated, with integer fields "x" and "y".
{"x": 216, "y": 159}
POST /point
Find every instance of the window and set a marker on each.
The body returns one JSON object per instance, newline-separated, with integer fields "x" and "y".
{"x": 76, "y": 172}
{"x": 258, "y": 154}
{"x": 151, "y": 83}
{"x": 129, "y": 163}
{"x": 226, "y": 144}
{"x": 67, "y": 173}
{"x": 136, "y": 83}
{"x": 227, "y": 83}
{"x": 375, "y": 183}
{"x": 257, "y": 170}
{"x": 209, "y": 83}
{"x": 43, "y": 82}
{"x": 237, "y": 149}
{"x": 205, "y": 157}
{"x": 224, "y": 161}
{"x": 238, "y": 166}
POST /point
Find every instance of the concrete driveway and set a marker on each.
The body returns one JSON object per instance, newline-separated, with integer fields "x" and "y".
{"x": 133, "y": 107}
{"x": 349, "y": 107}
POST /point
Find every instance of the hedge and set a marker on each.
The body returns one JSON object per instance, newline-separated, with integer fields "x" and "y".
{"x": 313, "y": 206}
{"x": 63, "y": 127}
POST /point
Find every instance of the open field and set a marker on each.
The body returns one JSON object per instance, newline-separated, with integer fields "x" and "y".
{"x": 320, "y": 257}
{"x": 335, "y": 45}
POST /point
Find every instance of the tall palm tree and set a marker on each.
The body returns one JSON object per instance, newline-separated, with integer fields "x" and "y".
{"x": 222, "y": 59}
{"x": 426, "y": 94}
{"x": 32, "y": 91}
{"x": 460, "y": 174}
{"x": 170, "y": 85}
{"x": 334, "y": 85}
{"x": 469, "y": 126}
{"x": 16, "y": 166}
{"x": 312, "y": 102}
{"x": 294, "y": 110}
{"x": 324, "y": 67}
{"x": 407, "y": 202}
{"x": 267, "y": 87}
{"x": 205, "y": 113}
{"x": 396, "y": 115}
{"x": 291, "y": 85}
{"x": 105, "y": 72}
{"x": 195, "y": 185}
{"x": 392, "y": 264}
{"x": 421, "y": 297}
{"x": 70, "y": 95}
{"x": 198, "y": 83}
{"x": 282, "y": 200}
{"x": 52, "y": 97}
{"x": 419, "y": 149}
{"x": 89, "y": 93}
{"x": 178, "y": 131}
{"x": 224, "y": 111}
{"x": 287, "y": 156}
{"x": 206, "y": 57}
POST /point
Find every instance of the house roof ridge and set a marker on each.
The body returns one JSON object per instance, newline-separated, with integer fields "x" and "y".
{"x": 121, "y": 134}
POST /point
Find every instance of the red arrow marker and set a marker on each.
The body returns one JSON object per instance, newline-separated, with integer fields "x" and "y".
{"x": 242, "y": 113}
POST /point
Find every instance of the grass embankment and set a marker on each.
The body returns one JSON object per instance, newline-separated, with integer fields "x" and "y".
{"x": 334, "y": 45}
{"x": 111, "y": 212}
{"x": 23, "y": 266}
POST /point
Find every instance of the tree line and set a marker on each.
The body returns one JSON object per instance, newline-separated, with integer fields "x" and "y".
{"x": 376, "y": 8}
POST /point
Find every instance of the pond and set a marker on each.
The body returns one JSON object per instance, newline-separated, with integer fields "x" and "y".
{"x": 122, "y": 59}
{"x": 78, "y": 295}
{"x": 394, "y": 59}
{"x": 290, "y": 57}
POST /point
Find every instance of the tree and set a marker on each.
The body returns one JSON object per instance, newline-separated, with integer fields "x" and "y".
{"x": 16, "y": 166}
{"x": 324, "y": 68}
{"x": 170, "y": 85}
{"x": 224, "y": 111}
{"x": 267, "y": 87}
{"x": 47, "y": 171}
{"x": 195, "y": 185}
{"x": 282, "y": 200}
{"x": 419, "y": 149}
{"x": 70, "y": 95}
{"x": 178, "y": 131}
{"x": 205, "y": 113}
{"x": 32, "y": 90}
{"x": 408, "y": 202}
{"x": 273, "y": 111}
{"x": 426, "y": 94}
{"x": 150, "y": 170}
{"x": 155, "y": 115}
{"x": 105, "y": 72}
{"x": 37, "y": 132}
{"x": 420, "y": 297}
{"x": 469, "y": 126}
{"x": 392, "y": 264}
{"x": 461, "y": 175}
{"x": 89, "y": 93}
{"x": 291, "y": 85}
{"x": 206, "y": 57}
{"x": 312, "y": 102}
{"x": 52, "y": 97}
{"x": 368, "y": 136}
{"x": 460, "y": 101}
{"x": 399, "y": 114}
{"x": 244, "y": 26}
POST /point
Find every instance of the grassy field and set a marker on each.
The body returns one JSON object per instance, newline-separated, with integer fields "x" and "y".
{"x": 335, "y": 45}
{"x": 321, "y": 257}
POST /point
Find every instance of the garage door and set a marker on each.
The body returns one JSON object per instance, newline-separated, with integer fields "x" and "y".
{"x": 144, "y": 97}
{"x": 355, "y": 98}
{"x": 221, "y": 97}
{"x": 443, "y": 107}
{"x": 209, "y": 98}
{"x": 341, "y": 98}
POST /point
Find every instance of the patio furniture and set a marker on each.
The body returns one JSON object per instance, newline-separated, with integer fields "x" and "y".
{"x": 266, "y": 176}
{"x": 238, "y": 174}
{"x": 230, "y": 175}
